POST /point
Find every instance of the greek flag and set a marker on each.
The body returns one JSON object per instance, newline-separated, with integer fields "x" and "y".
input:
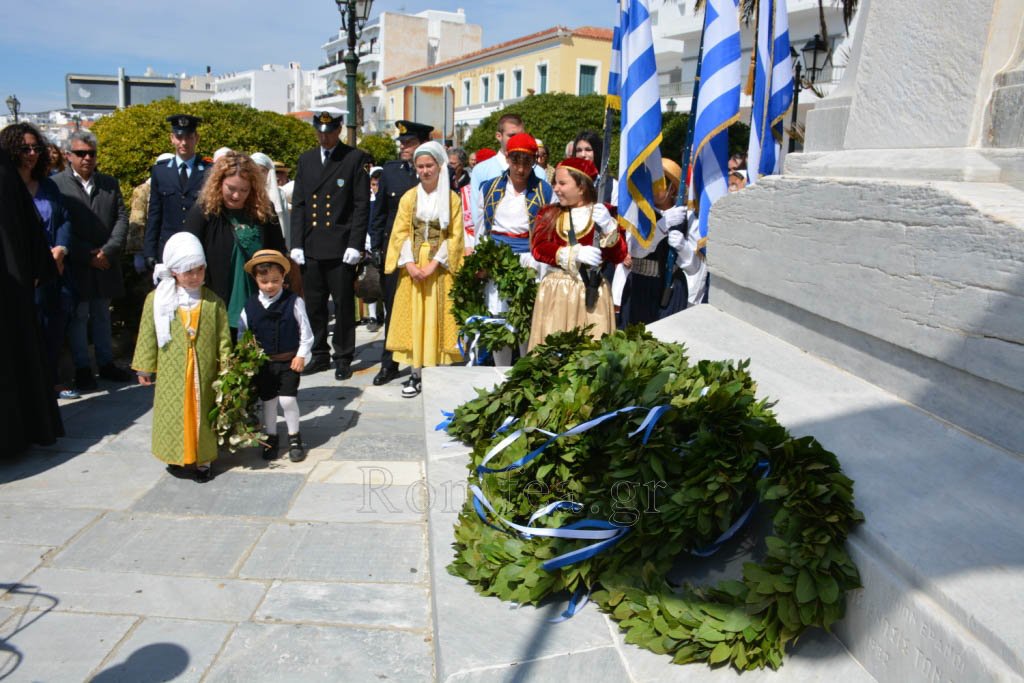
{"x": 612, "y": 100}
{"x": 640, "y": 172}
{"x": 718, "y": 107}
{"x": 773, "y": 89}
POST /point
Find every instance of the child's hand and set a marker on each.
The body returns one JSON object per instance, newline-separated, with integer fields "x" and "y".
{"x": 298, "y": 363}
{"x": 145, "y": 380}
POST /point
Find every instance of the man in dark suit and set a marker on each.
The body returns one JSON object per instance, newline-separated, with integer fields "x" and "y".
{"x": 330, "y": 211}
{"x": 99, "y": 226}
{"x": 174, "y": 187}
{"x": 396, "y": 178}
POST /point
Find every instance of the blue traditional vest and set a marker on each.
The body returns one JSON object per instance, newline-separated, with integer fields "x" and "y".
{"x": 275, "y": 328}
{"x": 538, "y": 194}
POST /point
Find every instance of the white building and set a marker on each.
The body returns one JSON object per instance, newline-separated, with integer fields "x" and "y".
{"x": 273, "y": 87}
{"x": 389, "y": 45}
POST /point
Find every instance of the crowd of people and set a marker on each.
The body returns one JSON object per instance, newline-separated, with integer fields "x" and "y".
{"x": 234, "y": 244}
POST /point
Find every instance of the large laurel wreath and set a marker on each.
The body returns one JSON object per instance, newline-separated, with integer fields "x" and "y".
{"x": 702, "y": 467}
{"x": 517, "y": 285}
{"x": 236, "y": 395}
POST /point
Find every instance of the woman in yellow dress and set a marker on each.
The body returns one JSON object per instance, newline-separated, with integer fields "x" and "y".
{"x": 426, "y": 248}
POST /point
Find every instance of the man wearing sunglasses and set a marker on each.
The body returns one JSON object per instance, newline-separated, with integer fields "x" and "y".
{"x": 99, "y": 225}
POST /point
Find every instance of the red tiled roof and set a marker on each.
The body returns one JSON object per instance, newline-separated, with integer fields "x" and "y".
{"x": 583, "y": 32}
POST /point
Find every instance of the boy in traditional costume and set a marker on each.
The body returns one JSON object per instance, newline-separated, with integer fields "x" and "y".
{"x": 278, "y": 320}
{"x": 183, "y": 335}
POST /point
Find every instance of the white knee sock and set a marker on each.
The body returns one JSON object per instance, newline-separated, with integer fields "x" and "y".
{"x": 270, "y": 416}
{"x": 290, "y": 406}
{"x": 503, "y": 356}
{"x": 371, "y": 310}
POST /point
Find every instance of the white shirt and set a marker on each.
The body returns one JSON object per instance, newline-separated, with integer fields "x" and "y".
{"x": 305, "y": 331}
{"x": 510, "y": 215}
{"x": 426, "y": 210}
{"x": 87, "y": 185}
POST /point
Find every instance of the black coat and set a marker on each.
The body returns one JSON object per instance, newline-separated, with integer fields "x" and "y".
{"x": 330, "y": 203}
{"x": 28, "y": 405}
{"x": 218, "y": 238}
{"x": 169, "y": 204}
{"x": 98, "y": 221}
{"x": 395, "y": 181}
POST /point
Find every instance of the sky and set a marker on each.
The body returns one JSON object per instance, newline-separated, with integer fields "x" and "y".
{"x": 42, "y": 43}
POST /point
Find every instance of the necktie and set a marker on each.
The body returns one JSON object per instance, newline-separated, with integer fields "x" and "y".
{"x": 326, "y": 155}
{"x": 407, "y": 167}
{"x": 183, "y": 175}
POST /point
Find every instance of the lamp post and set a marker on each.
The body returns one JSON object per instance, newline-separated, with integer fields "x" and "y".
{"x": 671, "y": 105}
{"x": 354, "y": 14}
{"x": 813, "y": 50}
{"x": 14, "y": 105}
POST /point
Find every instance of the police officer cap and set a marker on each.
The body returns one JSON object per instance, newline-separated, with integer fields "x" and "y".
{"x": 409, "y": 130}
{"x": 327, "y": 119}
{"x": 182, "y": 124}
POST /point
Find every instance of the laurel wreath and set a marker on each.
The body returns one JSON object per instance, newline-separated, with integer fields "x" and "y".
{"x": 231, "y": 416}
{"x": 495, "y": 261}
{"x": 705, "y": 464}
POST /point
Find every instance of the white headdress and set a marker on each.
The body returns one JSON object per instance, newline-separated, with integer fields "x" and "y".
{"x": 437, "y": 151}
{"x": 182, "y": 253}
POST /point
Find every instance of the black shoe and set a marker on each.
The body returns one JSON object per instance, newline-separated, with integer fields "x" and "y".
{"x": 204, "y": 474}
{"x": 296, "y": 451}
{"x": 385, "y": 375}
{"x": 270, "y": 447}
{"x": 317, "y": 365}
{"x": 84, "y": 380}
{"x": 373, "y": 326}
{"x": 115, "y": 374}
{"x": 412, "y": 388}
{"x": 343, "y": 371}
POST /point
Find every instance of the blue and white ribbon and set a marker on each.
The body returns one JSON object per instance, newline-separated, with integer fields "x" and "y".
{"x": 471, "y": 350}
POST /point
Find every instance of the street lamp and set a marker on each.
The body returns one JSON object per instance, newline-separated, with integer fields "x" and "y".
{"x": 814, "y": 50}
{"x": 354, "y": 14}
{"x": 671, "y": 105}
{"x": 14, "y": 105}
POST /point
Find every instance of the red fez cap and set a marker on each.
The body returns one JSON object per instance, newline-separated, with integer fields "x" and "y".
{"x": 521, "y": 142}
{"x": 485, "y": 154}
{"x": 579, "y": 165}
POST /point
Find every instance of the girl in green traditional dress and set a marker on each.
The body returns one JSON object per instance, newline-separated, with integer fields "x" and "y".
{"x": 183, "y": 335}
{"x": 234, "y": 219}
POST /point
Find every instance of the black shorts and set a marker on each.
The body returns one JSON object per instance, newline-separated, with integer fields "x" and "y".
{"x": 276, "y": 378}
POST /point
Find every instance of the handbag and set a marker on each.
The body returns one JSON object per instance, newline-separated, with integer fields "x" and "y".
{"x": 368, "y": 285}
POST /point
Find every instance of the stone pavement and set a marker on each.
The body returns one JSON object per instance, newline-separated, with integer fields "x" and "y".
{"x": 111, "y": 569}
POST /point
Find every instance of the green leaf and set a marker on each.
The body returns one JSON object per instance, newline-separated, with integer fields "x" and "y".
{"x": 805, "y": 590}
{"x": 720, "y": 653}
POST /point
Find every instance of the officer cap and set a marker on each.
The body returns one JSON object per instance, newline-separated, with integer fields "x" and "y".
{"x": 327, "y": 119}
{"x": 410, "y": 130}
{"x": 182, "y": 124}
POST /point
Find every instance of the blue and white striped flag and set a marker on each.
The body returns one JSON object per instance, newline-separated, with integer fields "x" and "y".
{"x": 613, "y": 99}
{"x": 640, "y": 172}
{"x": 718, "y": 107}
{"x": 773, "y": 89}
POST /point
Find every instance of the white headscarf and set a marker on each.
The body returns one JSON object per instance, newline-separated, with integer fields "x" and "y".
{"x": 273, "y": 191}
{"x": 442, "y": 199}
{"x": 221, "y": 152}
{"x": 182, "y": 253}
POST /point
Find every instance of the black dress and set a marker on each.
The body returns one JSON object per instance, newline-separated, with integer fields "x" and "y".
{"x": 28, "y": 406}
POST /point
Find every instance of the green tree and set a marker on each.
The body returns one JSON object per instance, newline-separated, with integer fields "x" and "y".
{"x": 132, "y": 138}
{"x": 380, "y": 146}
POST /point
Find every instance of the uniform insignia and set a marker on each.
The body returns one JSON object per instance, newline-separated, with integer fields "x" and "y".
{"x": 401, "y": 128}
{"x": 183, "y": 122}
{"x": 341, "y": 182}
{"x": 325, "y": 117}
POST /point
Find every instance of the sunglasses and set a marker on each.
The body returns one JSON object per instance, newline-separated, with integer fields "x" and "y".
{"x": 25, "y": 149}
{"x": 82, "y": 153}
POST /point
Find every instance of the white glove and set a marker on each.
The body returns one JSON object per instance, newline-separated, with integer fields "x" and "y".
{"x": 299, "y": 256}
{"x": 676, "y": 238}
{"x": 674, "y": 215}
{"x": 603, "y": 219}
{"x": 352, "y": 256}
{"x": 589, "y": 256}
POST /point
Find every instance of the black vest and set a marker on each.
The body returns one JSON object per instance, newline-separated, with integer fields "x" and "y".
{"x": 275, "y": 328}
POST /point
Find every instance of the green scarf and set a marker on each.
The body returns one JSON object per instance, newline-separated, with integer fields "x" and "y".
{"x": 247, "y": 243}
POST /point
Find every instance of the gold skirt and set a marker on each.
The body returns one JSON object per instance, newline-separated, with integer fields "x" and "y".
{"x": 562, "y": 305}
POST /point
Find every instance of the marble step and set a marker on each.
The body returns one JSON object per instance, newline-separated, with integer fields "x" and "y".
{"x": 484, "y": 639}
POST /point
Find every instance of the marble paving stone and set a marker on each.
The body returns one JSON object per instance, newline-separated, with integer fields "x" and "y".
{"x": 111, "y": 481}
{"x": 358, "y": 504}
{"x": 368, "y": 472}
{"x": 356, "y": 446}
{"x": 399, "y": 420}
{"x": 163, "y": 650}
{"x": 73, "y": 445}
{"x": 139, "y": 542}
{"x": 17, "y": 560}
{"x": 599, "y": 664}
{"x": 340, "y": 552}
{"x": 306, "y": 653}
{"x": 230, "y": 493}
{"x": 355, "y": 604}
{"x": 251, "y": 460}
{"x": 41, "y": 525}
{"x": 103, "y": 592}
{"x": 5, "y": 614}
{"x": 60, "y": 647}
{"x": 136, "y": 438}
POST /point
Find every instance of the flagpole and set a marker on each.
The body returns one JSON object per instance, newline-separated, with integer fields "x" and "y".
{"x": 604, "y": 184}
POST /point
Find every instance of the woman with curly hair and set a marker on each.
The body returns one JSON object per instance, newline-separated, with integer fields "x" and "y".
{"x": 233, "y": 219}
{"x": 577, "y": 236}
